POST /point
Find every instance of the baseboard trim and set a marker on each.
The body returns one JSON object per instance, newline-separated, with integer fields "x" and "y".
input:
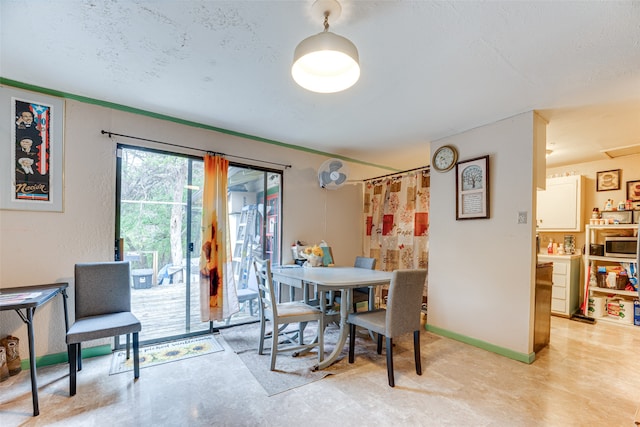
{"x": 56, "y": 358}
{"x": 502, "y": 351}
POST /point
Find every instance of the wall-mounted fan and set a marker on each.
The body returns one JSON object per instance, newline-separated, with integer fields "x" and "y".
{"x": 333, "y": 174}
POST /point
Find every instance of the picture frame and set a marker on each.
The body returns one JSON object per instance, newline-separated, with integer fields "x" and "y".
{"x": 633, "y": 193}
{"x": 608, "y": 180}
{"x": 31, "y": 155}
{"x": 472, "y": 188}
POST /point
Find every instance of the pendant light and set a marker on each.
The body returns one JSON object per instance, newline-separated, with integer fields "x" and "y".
{"x": 326, "y": 62}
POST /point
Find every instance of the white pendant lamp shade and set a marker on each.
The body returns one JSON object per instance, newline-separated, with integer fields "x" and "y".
{"x": 326, "y": 63}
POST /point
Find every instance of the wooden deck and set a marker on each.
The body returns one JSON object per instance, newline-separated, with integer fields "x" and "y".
{"x": 162, "y": 311}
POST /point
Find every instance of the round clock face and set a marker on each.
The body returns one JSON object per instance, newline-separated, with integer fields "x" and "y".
{"x": 444, "y": 158}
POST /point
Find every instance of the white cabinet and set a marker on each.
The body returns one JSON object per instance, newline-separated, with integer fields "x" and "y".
{"x": 560, "y": 206}
{"x": 565, "y": 294}
{"x": 601, "y": 295}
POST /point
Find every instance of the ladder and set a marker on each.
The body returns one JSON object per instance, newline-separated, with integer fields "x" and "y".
{"x": 243, "y": 248}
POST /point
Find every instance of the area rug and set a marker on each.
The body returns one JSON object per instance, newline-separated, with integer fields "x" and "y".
{"x": 291, "y": 372}
{"x": 165, "y": 353}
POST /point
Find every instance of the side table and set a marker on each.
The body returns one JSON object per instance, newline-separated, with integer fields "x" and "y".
{"x": 29, "y": 298}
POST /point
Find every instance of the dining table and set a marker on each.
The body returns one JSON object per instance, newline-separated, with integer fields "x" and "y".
{"x": 327, "y": 279}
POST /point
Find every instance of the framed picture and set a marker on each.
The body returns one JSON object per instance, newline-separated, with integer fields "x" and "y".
{"x": 608, "y": 180}
{"x": 472, "y": 188}
{"x": 31, "y": 158}
{"x": 633, "y": 193}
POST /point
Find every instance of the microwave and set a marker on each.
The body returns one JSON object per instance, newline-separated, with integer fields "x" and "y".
{"x": 623, "y": 247}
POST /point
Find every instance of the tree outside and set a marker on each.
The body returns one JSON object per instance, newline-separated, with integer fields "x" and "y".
{"x": 153, "y": 207}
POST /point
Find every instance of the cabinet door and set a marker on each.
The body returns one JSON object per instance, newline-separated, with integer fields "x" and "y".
{"x": 558, "y": 206}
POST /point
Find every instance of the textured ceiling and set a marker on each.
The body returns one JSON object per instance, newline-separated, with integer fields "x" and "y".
{"x": 429, "y": 69}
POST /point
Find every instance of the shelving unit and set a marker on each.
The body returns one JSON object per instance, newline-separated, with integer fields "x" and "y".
{"x": 594, "y": 235}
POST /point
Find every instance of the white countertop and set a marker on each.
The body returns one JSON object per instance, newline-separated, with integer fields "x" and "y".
{"x": 551, "y": 256}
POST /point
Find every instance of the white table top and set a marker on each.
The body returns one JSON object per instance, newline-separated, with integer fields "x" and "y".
{"x": 335, "y": 276}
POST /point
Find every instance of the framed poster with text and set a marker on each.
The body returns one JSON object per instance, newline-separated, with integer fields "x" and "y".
{"x": 31, "y": 161}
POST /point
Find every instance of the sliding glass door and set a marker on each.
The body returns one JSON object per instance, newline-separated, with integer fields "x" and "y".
{"x": 159, "y": 228}
{"x": 158, "y": 223}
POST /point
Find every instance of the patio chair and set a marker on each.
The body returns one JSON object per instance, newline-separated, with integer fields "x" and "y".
{"x": 283, "y": 314}
{"x": 103, "y": 309}
{"x": 401, "y": 316}
{"x": 246, "y": 296}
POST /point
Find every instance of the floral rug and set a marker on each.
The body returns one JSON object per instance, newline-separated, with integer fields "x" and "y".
{"x": 165, "y": 353}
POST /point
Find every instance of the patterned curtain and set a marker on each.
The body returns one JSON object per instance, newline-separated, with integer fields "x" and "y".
{"x": 396, "y": 214}
{"x": 218, "y": 296}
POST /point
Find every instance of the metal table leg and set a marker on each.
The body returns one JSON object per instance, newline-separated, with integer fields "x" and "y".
{"x": 32, "y": 362}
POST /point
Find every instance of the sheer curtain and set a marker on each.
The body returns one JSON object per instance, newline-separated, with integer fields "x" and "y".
{"x": 396, "y": 214}
{"x": 218, "y": 296}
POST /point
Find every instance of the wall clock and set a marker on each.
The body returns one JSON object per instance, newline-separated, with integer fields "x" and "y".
{"x": 444, "y": 158}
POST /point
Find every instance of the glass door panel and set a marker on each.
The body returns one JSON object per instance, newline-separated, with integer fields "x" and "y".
{"x": 254, "y": 225}
{"x": 159, "y": 222}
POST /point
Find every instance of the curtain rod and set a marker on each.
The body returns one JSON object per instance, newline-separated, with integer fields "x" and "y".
{"x": 397, "y": 173}
{"x": 105, "y": 132}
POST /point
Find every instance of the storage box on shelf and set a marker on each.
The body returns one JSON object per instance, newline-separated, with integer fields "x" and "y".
{"x": 607, "y": 294}
{"x": 565, "y": 294}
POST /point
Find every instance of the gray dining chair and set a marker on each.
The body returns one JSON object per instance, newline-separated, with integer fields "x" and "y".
{"x": 401, "y": 316}
{"x": 359, "y": 294}
{"x": 102, "y": 309}
{"x": 282, "y": 314}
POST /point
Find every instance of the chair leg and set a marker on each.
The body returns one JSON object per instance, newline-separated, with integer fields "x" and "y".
{"x": 352, "y": 342}
{"x": 301, "y": 327}
{"x": 321, "y": 339}
{"x": 262, "y": 331}
{"x": 72, "y": 354}
{"x": 379, "y": 348}
{"x": 274, "y": 346}
{"x": 416, "y": 351}
{"x": 79, "y": 356}
{"x": 136, "y": 358}
{"x": 390, "y": 362}
{"x": 128, "y": 338}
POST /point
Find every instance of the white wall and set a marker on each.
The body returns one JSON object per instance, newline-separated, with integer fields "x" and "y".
{"x": 480, "y": 279}
{"x": 481, "y": 271}
{"x": 41, "y": 247}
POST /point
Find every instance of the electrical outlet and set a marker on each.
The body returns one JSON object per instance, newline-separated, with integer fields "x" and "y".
{"x": 522, "y": 217}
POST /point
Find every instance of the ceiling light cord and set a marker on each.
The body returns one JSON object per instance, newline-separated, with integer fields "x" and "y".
{"x": 326, "y": 21}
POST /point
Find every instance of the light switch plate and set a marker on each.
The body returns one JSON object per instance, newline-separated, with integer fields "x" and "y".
{"x": 522, "y": 217}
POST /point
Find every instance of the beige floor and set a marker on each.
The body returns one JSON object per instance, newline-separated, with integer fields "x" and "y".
{"x": 588, "y": 376}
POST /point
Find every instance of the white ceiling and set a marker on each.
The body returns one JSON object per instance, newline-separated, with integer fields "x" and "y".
{"x": 429, "y": 69}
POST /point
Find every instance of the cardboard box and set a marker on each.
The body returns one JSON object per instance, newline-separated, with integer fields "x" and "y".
{"x": 626, "y": 311}
{"x": 597, "y": 307}
{"x": 620, "y": 309}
